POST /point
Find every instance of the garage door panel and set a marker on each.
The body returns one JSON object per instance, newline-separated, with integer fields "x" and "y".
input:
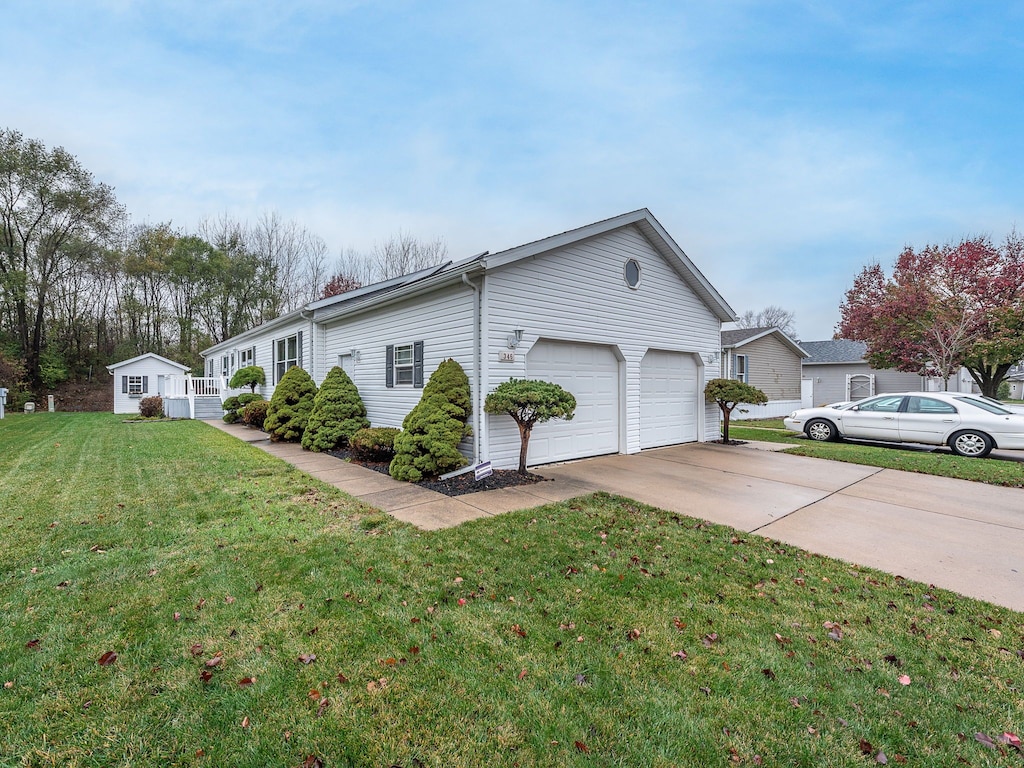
{"x": 668, "y": 398}
{"x": 590, "y": 372}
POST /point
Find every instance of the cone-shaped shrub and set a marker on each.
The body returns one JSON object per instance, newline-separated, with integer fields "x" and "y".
{"x": 290, "y": 406}
{"x": 428, "y": 445}
{"x": 338, "y": 413}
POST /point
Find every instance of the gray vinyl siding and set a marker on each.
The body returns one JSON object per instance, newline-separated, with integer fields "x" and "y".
{"x": 578, "y": 294}
{"x": 443, "y": 321}
{"x": 830, "y": 380}
{"x": 773, "y": 367}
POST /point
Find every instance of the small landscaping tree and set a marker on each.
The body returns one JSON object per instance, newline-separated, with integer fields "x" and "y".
{"x": 251, "y": 376}
{"x": 338, "y": 413}
{"x": 530, "y": 402}
{"x": 290, "y": 406}
{"x": 428, "y": 445}
{"x": 729, "y": 393}
{"x": 255, "y": 413}
{"x": 234, "y": 406}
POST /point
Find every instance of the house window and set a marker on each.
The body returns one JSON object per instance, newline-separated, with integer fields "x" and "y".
{"x": 247, "y": 357}
{"x": 404, "y": 364}
{"x": 286, "y": 354}
{"x": 740, "y": 373}
{"x": 224, "y": 363}
{"x": 631, "y": 273}
{"x": 134, "y": 386}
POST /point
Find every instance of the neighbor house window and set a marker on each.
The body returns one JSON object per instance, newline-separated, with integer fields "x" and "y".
{"x": 741, "y": 368}
{"x": 287, "y": 352}
{"x": 404, "y": 363}
{"x": 134, "y": 386}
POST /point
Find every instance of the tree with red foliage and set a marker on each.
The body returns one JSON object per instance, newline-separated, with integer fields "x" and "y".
{"x": 945, "y": 306}
{"x": 338, "y": 284}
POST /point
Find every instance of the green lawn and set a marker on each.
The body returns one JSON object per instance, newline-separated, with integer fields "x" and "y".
{"x": 596, "y": 632}
{"x": 992, "y": 470}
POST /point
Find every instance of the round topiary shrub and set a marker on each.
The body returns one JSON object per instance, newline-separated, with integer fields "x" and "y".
{"x": 338, "y": 413}
{"x": 251, "y": 376}
{"x": 429, "y": 443}
{"x": 374, "y": 443}
{"x": 290, "y": 406}
{"x": 255, "y": 413}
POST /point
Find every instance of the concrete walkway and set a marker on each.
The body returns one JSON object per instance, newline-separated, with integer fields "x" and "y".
{"x": 409, "y": 503}
{"x": 963, "y": 536}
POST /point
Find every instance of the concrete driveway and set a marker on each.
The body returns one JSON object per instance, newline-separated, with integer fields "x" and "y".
{"x": 963, "y": 536}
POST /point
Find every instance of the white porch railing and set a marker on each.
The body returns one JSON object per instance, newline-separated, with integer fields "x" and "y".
{"x": 190, "y": 387}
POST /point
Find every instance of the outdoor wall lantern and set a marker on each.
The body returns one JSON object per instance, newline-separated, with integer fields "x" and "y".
{"x": 515, "y": 338}
{"x": 355, "y": 355}
{"x": 712, "y": 357}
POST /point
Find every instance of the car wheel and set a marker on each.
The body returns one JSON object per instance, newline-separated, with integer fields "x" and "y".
{"x": 974, "y": 445}
{"x": 821, "y": 430}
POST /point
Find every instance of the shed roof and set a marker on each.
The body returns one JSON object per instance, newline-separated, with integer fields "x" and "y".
{"x": 740, "y": 336}
{"x": 114, "y": 366}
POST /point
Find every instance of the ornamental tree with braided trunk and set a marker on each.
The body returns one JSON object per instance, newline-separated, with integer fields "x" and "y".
{"x": 530, "y": 402}
{"x": 729, "y": 393}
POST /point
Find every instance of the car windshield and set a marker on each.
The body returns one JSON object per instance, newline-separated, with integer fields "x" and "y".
{"x": 985, "y": 405}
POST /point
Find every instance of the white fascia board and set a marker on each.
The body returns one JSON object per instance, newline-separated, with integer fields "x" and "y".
{"x": 259, "y": 329}
{"x": 148, "y": 355}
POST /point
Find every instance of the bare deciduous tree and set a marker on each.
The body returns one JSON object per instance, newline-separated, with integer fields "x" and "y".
{"x": 769, "y": 317}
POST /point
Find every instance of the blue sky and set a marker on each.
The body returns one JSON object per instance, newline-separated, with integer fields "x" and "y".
{"x": 783, "y": 144}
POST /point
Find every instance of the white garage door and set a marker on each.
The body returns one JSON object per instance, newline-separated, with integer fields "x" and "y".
{"x": 668, "y": 398}
{"x": 591, "y": 373}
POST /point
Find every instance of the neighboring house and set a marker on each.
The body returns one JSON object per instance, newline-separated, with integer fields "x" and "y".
{"x": 768, "y": 359}
{"x": 837, "y": 370}
{"x": 141, "y": 377}
{"x": 1015, "y": 378}
{"x": 614, "y": 311}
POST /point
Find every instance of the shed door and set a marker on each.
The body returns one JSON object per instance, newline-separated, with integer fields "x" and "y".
{"x": 668, "y": 398}
{"x": 591, "y": 373}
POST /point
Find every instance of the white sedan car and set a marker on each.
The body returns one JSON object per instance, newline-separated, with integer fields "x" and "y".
{"x": 970, "y": 425}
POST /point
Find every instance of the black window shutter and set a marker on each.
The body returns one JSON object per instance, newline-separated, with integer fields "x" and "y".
{"x": 145, "y": 385}
{"x": 273, "y": 362}
{"x": 389, "y": 365}
{"x": 417, "y": 365}
{"x": 298, "y": 343}
{"x": 124, "y": 385}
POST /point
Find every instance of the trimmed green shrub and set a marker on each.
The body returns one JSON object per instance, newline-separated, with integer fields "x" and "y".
{"x": 1003, "y": 391}
{"x": 338, "y": 413}
{"x": 290, "y": 406}
{"x": 251, "y": 376}
{"x": 530, "y": 402}
{"x": 729, "y": 393}
{"x": 233, "y": 406}
{"x": 255, "y": 413}
{"x": 151, "y": 407}
{"x": 374, "y": 443}
{"x": 428, "y": 445}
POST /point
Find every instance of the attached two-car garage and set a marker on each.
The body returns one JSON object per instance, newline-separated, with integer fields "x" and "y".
{"x": 669, "y": 386}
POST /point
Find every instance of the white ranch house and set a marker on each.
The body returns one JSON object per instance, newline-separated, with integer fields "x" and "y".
{"x": 615, "y": 312}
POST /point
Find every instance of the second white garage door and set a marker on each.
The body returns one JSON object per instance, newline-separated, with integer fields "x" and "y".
{"x": 591, "y": 373}
{"x": 668, "y": 398}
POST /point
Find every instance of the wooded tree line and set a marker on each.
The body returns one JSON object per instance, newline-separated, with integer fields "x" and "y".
{"x": 81, "y": 286}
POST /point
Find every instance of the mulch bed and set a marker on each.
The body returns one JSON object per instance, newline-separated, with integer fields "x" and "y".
{"x": 454, "y": 486}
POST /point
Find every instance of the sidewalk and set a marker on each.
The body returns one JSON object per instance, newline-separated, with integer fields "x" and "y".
{"x": 409, "y": 503}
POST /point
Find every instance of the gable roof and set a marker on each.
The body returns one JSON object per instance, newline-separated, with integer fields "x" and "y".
{"x": 834, "y": 351}
{"x": 740, "y": 336}
{"x": 114, "y": 366}
{"x": 405, "y": 286}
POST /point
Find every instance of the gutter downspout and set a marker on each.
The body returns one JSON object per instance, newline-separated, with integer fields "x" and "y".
{"x": 478, "y": 406}
{"x": 307, "y": 315}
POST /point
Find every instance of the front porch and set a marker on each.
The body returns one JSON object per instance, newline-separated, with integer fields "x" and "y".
{"x": 195, "y": 397}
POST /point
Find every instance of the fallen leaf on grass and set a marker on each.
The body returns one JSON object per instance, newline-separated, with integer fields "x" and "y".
{"x": 34, "y": 643}
{"x": 107, "y": 659}
{"x": 985, "y": 740}
{"x": 312, "y": 761}
{"x": 206, "y": 675}
{"x": 307, "y": 658}
{"x": 245, "y": 721}
{"x": 681, "y": 655}
{"x": 768, "y": 673}
{"x": 324, "y": 704}
{"x": 710, "y": 639}
{"x": 196, "y": 649}
{"x": 246, "y": 681}
{"x": 904, "y": 679}
{"x": 881, "y": 759}
{"x": 218, "y": 657}
{"x": 523, "y": 674}
{"x": 581, "y": 747}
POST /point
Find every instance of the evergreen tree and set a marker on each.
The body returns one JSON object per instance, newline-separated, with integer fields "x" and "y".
{"x": 338, "y": 413}
{"x": 428, "y": 445}
{"x": 290, "y": 406}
